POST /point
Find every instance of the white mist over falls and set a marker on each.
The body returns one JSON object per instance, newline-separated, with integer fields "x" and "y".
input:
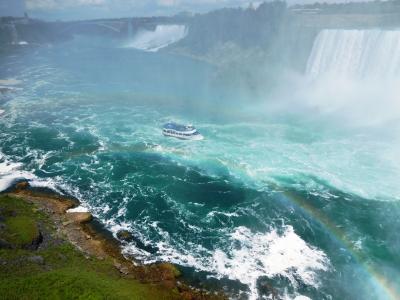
{"x": 304, "y": 200}
{"x": 356, "y": 54}
{"x": 161, "y": 37}
{"x": 354, "y": 75}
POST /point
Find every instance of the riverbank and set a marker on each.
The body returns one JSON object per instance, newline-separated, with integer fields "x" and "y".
{"x": 47, "y": 252}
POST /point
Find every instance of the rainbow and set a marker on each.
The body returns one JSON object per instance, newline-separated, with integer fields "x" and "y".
{"x": 380, "y": 283}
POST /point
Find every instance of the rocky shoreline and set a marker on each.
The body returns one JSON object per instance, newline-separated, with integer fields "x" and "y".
{"x": 81, "y": 230}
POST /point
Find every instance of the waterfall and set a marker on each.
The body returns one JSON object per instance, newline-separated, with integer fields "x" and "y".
{"x": 130, "y": 29}
{"x": 161, "y": 37}
{"x": 14, "y": 34}
{"x": 355, "y": 75}
{"x": 355, "y": 54}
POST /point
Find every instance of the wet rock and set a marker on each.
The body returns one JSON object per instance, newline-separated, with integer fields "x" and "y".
{"x": 2, "y": 226}
{"x": 5, "y": 245}
{"x": 37, "y": 259}
{"x": 265, "y": 288}
{"x": 279, "y": 286}
{"x": 168, "y": 271}
{"x": 117, "y": 265}
{"x": 36, "y": 241}
{"x": 121, "y": 268}
{"x": 124, "y": 235}
{"x": 23, "y": 185}
{"x": 124, "y": 270}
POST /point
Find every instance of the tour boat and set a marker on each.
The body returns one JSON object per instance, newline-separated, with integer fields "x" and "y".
{"x": 184, "y": 132}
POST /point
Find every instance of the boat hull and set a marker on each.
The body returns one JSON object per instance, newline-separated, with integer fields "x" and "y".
{"x": 196, "y": 137}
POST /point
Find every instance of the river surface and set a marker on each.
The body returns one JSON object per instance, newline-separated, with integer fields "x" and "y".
{"x": 295, "y": 201}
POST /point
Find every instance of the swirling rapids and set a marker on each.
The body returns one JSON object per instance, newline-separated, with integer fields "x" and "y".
{"x": 285, "y": 201}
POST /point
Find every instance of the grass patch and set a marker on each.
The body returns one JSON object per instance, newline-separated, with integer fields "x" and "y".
{"x": 19, "y": 222}
{"x": 64, "y": 273}
{"x": 21, "y": 230}
{"x": 72, "y": 283}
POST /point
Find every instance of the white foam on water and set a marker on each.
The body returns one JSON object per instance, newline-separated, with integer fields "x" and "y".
{"x": 12, "y": 171}
{"x": 9, "y": 172}
{"x": 213, "y": 213}
{"x": 161, "y": 37}
{"x": 44, "y": 183}
{"x": 247, "y": 257}
{"x": 254, "y": 255}
{"x": 301, "y": 297}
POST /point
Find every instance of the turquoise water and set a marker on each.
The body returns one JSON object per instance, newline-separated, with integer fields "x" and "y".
{"x": 297, "y": 201}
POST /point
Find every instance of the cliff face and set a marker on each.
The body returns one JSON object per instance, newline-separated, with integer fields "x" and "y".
{"x": 243, "y": 27}
{"x": 279, "y": 34}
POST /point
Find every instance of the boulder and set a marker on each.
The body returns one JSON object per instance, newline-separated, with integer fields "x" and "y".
{"x": 2, "y": 226}
{"x": 23, "y": 185}
{"x": 124, "y": 235}
{"x": 5, "y": 245}
{"x": 37, "y": 259}
{"x": 168, "y": 271}
{"x": 117, "y": 265}
{"x": 124, "y": 270}
{"x": 80, "y": 217}
{"x": 36, "y": 241}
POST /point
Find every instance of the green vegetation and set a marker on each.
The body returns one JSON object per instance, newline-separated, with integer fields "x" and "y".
{"x": 21, "y": 230}
{"x": 77, "y": 283}
{"x": 56, "y": 270}
{"x": 18, "y": 225}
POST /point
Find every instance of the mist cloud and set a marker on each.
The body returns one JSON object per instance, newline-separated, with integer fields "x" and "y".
{"x": 87, "y": 9}
{"x": 61, "y": 4}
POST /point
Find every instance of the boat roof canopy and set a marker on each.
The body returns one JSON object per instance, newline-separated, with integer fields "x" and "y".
{"x": 178, "y": 127}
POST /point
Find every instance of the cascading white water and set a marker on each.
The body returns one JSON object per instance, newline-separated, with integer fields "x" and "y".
{"x": 356, "y": 54}
{"x": 130, "y": 29}
{"x": 14, "y": 34}
{"x": 161, "y": 37}
{"x": 355, "y": 74}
